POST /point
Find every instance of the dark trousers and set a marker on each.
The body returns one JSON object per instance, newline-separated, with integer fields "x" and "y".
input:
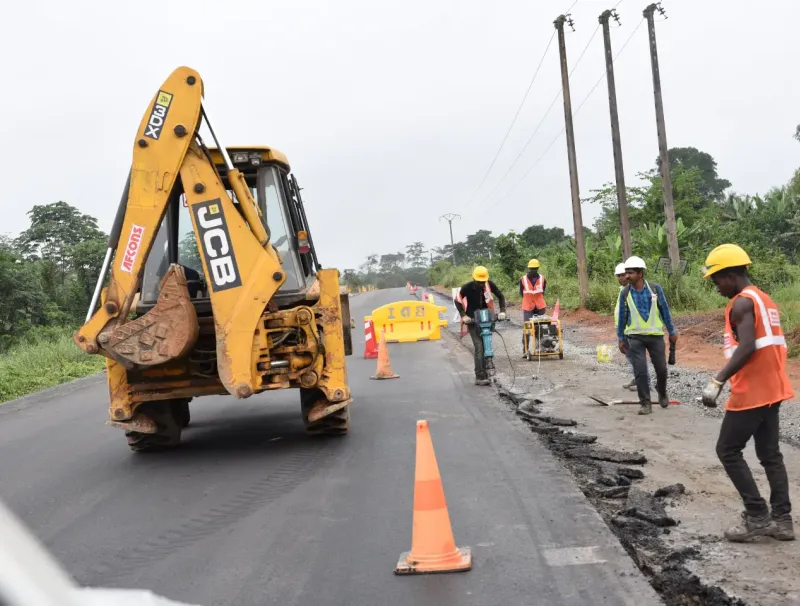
{"x": 646, "y": 369}
{"x": 761, "y": 424}
{"x": 477, "y": 344}
{"x": 639, "y": 346}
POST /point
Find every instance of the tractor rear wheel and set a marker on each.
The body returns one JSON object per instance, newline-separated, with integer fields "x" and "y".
{"x": 168, "y": 433}
{"x": 335, "y": 424}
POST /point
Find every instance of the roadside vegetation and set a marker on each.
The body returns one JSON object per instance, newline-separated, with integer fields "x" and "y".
{"x": 708, "y": 212}
{"x": 47, "y": 276}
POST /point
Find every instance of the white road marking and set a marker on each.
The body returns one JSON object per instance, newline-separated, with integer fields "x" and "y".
{"x": 572, "y": 556}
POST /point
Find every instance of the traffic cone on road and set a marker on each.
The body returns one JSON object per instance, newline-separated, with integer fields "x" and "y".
{"x": 557, "y": 309}
{"x": 384, "y": 368}
{"x": 370, "y": 346}
{"x": 433, "y": 548}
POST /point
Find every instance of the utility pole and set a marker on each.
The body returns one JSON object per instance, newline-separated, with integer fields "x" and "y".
{"x": 450, "y": 217}
{"x": 663, "y": 154}
{"x": 577, "y": 218}
{"x": 616, "y": 141}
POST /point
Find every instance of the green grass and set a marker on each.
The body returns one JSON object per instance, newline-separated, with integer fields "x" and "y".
{"x": 48, "y": 357}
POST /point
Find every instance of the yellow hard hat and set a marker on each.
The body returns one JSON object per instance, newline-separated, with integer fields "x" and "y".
{"x": 534, "y": 264}
{"x": 480, "y": 274}
{"x": 725, "y": 256}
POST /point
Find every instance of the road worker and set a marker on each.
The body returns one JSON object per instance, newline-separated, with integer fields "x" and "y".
{"x": 480, "y": 293}
{"x": 755, "y": 348}
{"x": 622, "y": 278}
{"x": 532, "y": 287}
{"x": 643, "y": 314}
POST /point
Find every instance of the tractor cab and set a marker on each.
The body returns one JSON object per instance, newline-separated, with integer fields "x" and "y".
{"x": 277, "y": 194}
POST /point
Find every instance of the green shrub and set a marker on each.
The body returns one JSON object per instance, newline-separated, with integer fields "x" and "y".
{"x": 46, "y": 358}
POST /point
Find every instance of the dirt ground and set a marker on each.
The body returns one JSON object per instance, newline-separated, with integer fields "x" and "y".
{"x": 679, "y": 444}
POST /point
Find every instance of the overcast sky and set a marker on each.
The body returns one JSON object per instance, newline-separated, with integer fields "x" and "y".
{"x": 390, "y": 113}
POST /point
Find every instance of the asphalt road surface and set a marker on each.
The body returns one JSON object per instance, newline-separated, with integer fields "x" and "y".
{"x": 250, "y": 511}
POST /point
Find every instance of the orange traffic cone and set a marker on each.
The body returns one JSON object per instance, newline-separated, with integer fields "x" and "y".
{"x": 556, "y": 309}
{"x": 433, "y": 548}
{"x": 370, "y": 346}
{"x": 384, "y": 368}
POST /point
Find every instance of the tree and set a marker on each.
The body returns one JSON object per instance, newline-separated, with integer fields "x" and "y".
{"x": 391, "y": 262}
{"x": 539, "y": 236}
{"x": 415, "y": 254}
{"x": 54, "y": 229}
{"x": 690, "y": 157}
{"x": 351, "y": 278}
{"x": 479, "y": 245}
{"x": 510, "y": 249}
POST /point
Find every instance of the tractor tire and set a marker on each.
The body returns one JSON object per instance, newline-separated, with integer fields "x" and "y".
{"x": 336, "y": 424}
{"x": 180, "y": 410}
{"x": 169, "y": 429}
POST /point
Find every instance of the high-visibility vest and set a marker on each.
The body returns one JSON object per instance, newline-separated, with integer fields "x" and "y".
{"x": 762, "y": 380}
{"x": 616, "y": 309}
{"x": 638, "y": 326}
{"x": 532, "y": 293}
{"x": 487, "y": 295}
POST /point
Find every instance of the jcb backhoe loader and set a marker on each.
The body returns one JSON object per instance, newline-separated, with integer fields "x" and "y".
{"x": 215, "y": 284}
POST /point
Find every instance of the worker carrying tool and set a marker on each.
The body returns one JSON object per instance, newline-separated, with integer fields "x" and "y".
{"x": 622, "y": 278}
{"x": 755, "y": 348}
{"x": 643, "y": 314}
{"x": 532, "y": 287}
{"x": 478, "y": 294}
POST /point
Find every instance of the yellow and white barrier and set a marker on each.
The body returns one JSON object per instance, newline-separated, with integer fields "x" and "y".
{"x": 409, "y": 321}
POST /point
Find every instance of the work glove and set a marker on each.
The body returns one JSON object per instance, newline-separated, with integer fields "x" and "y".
{"x": 711, "y": 393}
{"x": 501, "y": 316}
{"x": 466, "y": 320}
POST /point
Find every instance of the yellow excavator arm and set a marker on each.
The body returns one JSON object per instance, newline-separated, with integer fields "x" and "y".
{"x": 242, "y": 270}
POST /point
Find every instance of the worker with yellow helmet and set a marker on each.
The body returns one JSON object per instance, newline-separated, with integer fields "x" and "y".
{"x": 480, "y": 293}
{"x": 532, "y": 287}
{"x": 755, "y": 348}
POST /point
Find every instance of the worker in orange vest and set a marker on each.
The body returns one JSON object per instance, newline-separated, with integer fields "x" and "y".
{"x": 755, "y": 348}
{"x": 532, "y": 287}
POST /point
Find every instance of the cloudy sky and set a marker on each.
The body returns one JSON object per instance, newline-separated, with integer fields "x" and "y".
{"x": 391, "y": 113}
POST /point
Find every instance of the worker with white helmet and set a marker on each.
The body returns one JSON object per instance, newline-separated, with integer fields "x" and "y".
{"x": 622, "y": 278}
{"x": 643, "y": 315}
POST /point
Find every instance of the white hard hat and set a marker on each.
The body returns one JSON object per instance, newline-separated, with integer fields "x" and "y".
{"x": 620, "y": 269}
{"x": 635, "y": 263}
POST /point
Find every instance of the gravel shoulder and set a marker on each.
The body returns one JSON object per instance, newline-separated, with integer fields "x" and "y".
{"x": 679, "y": 446}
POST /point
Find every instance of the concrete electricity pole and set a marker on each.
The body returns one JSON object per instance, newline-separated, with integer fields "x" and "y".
{"x": 577, "y": 219}
{"x": 450, "y": 217}
{"x": 663, "y": 154}
{"x": 616, "y": 141}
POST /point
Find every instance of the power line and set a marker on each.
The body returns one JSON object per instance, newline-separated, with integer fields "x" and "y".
{"x": 516, "y": 115}
{"x": 539, "y": 125}
{"x": 513, "y": 122}
{"x": 563, "y": 128}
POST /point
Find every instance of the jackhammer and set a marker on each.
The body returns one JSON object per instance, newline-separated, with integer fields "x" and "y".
{"x": 485, "y": 320}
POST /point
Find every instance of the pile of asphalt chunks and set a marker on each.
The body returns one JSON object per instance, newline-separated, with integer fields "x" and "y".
{"x": 612, "y": 472}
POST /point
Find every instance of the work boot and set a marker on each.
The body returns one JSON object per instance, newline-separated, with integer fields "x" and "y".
{"x": 663, "y": 401}
{"x": 482, "y": 382}
{"x": 630, "y": 386}
{"x": 646, "y": 408}
{"x": 750, "y": 527}
{"x": 783, "y": 529}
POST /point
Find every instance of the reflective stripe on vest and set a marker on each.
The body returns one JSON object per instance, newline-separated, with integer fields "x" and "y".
{"x": 762, "y": 380}
{"x": 638, "y": 326}
{"x": 770, "y": 338}
{"x": 532, "y": 293}
{"x": 527, "y": 287}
